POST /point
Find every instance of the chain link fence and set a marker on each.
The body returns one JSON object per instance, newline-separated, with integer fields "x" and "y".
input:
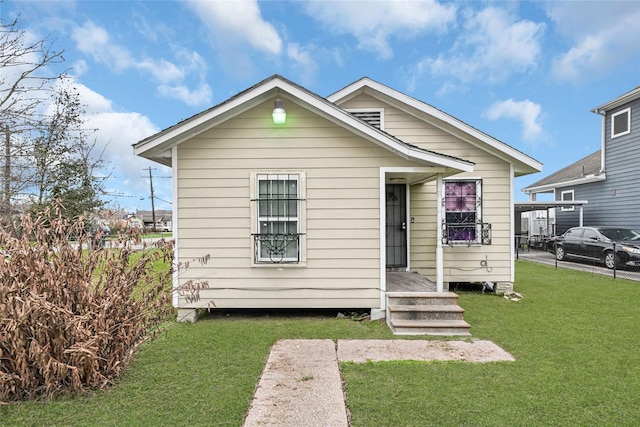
{"x": 543, "y": 251}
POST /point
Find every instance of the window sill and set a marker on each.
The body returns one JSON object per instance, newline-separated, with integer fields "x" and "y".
{"x": 282, "y": 265}
{"x": 463, "y": 244}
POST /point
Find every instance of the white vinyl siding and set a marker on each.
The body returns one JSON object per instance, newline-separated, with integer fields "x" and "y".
{"x": 621, "y": 123}
{"x": 340, "y": 180}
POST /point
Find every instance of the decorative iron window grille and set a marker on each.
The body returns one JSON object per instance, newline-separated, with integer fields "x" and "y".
{"x": 277, "y": 239}
{"x": 277, "y": 248}
{"x": 463, "y": 214}
{"x": 465, "y": 233}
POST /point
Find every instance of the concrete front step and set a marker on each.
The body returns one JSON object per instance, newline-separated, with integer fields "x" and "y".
{"x": 422, "y": 298}
{"x": 430, "y": 327}
{"x": 426, "y": 312}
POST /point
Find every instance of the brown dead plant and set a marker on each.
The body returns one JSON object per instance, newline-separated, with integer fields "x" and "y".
{"x": 72, "y": 318}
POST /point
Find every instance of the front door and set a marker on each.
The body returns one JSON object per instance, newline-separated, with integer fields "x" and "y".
{"x": 396, "y": 212}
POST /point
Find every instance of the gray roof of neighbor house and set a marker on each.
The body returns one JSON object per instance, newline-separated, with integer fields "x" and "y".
{"x": 586, "y": 167}
{"x": 625, "y": 98}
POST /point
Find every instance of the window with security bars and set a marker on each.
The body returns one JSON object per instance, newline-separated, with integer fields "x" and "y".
{"x": 278, "y": 213}
{"x": 463, "y": 213}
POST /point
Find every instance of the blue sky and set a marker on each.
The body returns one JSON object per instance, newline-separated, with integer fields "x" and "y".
{"x": 526, "y": 73}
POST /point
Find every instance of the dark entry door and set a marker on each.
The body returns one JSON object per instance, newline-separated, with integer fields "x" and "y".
{"x": 396, "y": 212}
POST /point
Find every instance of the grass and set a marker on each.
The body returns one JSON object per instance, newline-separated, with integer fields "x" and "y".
{"x": 574, "y": 336}
{"x": 575, "y": 339}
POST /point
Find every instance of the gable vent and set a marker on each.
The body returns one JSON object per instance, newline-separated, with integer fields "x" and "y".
{"x": 373, "y": 117}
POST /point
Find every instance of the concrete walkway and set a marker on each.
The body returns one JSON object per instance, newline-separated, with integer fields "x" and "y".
{"x": 301, "y": 384}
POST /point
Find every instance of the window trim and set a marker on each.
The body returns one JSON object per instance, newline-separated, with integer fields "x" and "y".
{"x": 613, "y": 119}
{"x": 573, "y": 198}
{"x": 479, "y": 224}
{"x": 256, "y": 260}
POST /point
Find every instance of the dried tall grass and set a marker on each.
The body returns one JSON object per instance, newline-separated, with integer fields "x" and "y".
{"x": 71, "y": 318}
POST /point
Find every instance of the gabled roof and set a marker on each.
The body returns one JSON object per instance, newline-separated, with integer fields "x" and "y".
{"x": 158, "y": 147}
{"x": 585, "y": 170}
{"x": 625, "y": 98}
{"x": 523, "y": 164}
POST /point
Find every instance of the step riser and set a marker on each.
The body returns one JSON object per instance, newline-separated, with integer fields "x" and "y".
{"x": 422, "y": 301}
{"x": 431, "y": 331}
{"x": 421, "y": 315}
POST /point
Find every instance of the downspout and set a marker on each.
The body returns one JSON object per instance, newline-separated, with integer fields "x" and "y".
{"x": 603, "y": 138}
{"x": 439, "y": 250}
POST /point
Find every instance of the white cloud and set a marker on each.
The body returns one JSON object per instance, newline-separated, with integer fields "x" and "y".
{"x": 96, "y": 42}
{"x": 303, "y": 61}
{"x": 527, "y": 112}
{"x": 374, "y": 23}
{"x": 603, "y": 34}
{"x": 170, "y": 76}
{"x": 80, "y": 67}
{"x": 116, "y": 132}
{"x": 493, "y": 45}
{"x": 239, "y": 19}
{"x": 198, "y": 96}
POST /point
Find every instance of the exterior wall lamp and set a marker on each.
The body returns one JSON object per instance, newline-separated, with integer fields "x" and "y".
{"x": 279, "y": 114}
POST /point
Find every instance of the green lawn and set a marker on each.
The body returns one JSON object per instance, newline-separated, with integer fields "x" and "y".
{"x": 574, "y": 335}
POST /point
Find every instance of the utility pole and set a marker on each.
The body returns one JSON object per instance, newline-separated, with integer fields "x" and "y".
{"x": 153, "y": 209}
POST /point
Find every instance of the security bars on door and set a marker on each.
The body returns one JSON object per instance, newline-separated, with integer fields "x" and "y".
{"x": 278, "y": 214}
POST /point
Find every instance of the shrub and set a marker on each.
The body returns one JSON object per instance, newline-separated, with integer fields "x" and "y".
{"x": 72, "y": 318}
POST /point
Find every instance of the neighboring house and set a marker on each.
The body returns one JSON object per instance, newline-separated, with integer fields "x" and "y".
{"x": 607, "y": 179}
{"x": 164, "y": 218}
{"x": 134, "y": 222}
{"x": 311, "y": 211}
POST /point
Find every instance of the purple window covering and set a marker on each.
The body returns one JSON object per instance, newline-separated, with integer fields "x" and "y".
{"x": 460, "y": 206}
{"x": 460, "y": 196}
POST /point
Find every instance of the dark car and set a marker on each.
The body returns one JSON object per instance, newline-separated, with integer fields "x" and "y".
{"x": 616, "y": 247}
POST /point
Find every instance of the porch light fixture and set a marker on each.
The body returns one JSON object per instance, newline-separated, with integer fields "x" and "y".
{"x": 279, "y": 114}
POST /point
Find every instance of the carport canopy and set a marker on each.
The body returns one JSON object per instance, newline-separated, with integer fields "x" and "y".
{"x": 534, "y": 205}
{"x": 529, "y": 206}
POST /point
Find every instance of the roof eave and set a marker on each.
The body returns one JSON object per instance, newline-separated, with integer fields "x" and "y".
{"x": 552, "y": 186}
{"x": 625, "y": 98}
{"x": 524, "y": 164}
{"x": 154, "y": 146}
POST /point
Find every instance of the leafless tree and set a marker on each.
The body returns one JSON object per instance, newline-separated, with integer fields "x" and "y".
{"x": 46, "y": 153}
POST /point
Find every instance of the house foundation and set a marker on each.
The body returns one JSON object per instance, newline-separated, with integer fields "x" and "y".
{"x": 503, "y": 287}
{"x": 187, "y": 315}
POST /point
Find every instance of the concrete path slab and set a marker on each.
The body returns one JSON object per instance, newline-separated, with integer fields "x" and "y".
{"x": 300, "y": 386}
{"x": 362, "y": 351}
